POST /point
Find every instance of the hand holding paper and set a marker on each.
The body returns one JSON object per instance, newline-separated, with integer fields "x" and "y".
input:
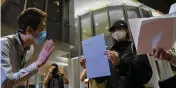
{"x": 161, "y": 54}
{"x": 113, "y": 56}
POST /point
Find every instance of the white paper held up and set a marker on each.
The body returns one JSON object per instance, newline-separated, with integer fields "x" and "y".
{"x": 172, "y": 8}
{"x": 150, "y": 33}
{"x": 97, "y": 64}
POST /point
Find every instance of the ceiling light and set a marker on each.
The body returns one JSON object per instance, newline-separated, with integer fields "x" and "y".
{"x": 96, "y": 24}
{"x": 57, "y": 3}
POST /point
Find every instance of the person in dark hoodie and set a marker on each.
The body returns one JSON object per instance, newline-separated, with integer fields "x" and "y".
{"x": 128, "y": 70}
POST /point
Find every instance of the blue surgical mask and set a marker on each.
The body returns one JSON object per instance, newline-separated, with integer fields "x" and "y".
{"x": 40, "y": 39}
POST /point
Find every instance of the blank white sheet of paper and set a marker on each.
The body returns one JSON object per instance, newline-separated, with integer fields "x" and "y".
{"x": 97, "y": 64}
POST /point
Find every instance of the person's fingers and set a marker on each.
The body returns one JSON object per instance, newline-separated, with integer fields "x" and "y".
{"x": 150, "y": 54}
{"x": 82, "y": 58}
{"x": 115, "y": 54}
{"x": 161, "y": 55}
{"x": 50, "y": 44}
{"x": 82, "y": 62}
{"x": 153, "y": 53}
{"x": 51, "y": 49}
{"x": 106, "y": 52}
{"x": 46, "y": 46}
{"x": 109, "y": 57}
{"x": 156, "y": 53}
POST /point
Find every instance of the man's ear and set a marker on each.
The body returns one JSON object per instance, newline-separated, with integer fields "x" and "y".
{"x": 28, "y": 30}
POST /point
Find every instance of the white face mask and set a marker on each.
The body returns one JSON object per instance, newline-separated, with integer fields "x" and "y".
{"x": 119, "y": 35}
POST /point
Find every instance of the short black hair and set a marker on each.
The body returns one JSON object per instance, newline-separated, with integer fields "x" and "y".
{"x": 54, "y": 64}
{"x": 118, "y": 24}
{"x": 30, "y": 17}
{"x": 54, "y": 73}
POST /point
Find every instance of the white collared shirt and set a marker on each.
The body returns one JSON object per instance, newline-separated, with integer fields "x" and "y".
{"x": 12, "y": 74}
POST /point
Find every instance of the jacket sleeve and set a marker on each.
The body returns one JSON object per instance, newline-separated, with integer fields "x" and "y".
{"x": 136, "y": 68}
{"x": 13, "y": 78}
{"x": 126, "y": 63}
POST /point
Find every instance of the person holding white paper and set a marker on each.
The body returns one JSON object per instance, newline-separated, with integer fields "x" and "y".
{"x": 127, "y": 69}
{"x": 168, "y": 55}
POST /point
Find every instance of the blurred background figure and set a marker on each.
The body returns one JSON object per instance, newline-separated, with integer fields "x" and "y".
{"x": 54, "y": 78}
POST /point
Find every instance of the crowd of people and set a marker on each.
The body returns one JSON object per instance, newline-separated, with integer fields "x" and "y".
{"x": 128, "y": 70}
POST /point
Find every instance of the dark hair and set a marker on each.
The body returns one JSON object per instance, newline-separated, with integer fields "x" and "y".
{"x": 55, "y": 70}
{"x": 127, "y": 34}
{"x": 54, "y": 64}
{"x": 30, "y": 17}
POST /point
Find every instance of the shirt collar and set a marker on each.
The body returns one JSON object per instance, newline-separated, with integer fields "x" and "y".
{"x": 19, "y": 41}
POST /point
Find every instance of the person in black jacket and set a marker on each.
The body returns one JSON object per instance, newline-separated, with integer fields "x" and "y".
{"x": 128, "y": 70}
{"x": 54, "y": 78}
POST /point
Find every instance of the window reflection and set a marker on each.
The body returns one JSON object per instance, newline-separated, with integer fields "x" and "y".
{"x": 116, "y": 13}
{"x": 132, "y": 12}
{"x": 86, "y": 26}
{"x": 101, "y": 21}
{"x": 77, "y": 36}
{"x": 145, "y": 13}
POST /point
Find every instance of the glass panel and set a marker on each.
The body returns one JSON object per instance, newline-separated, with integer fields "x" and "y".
{"x": 132, "y": 12}
{"x": 77, "y": 37}
{"x": 52, "y": 9}
{"x": 101, "y": 21}
{"x": 20, "y": 2}
{"x": 10, "y": 13}
{"x": 86, "y": 26}
{"x": 145, "y": 13}
{"x": 53, "y": 29}
{"x": 65, "y": 33}
{"x": 115, "y": 13}
{"x": 40, "y": 4}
